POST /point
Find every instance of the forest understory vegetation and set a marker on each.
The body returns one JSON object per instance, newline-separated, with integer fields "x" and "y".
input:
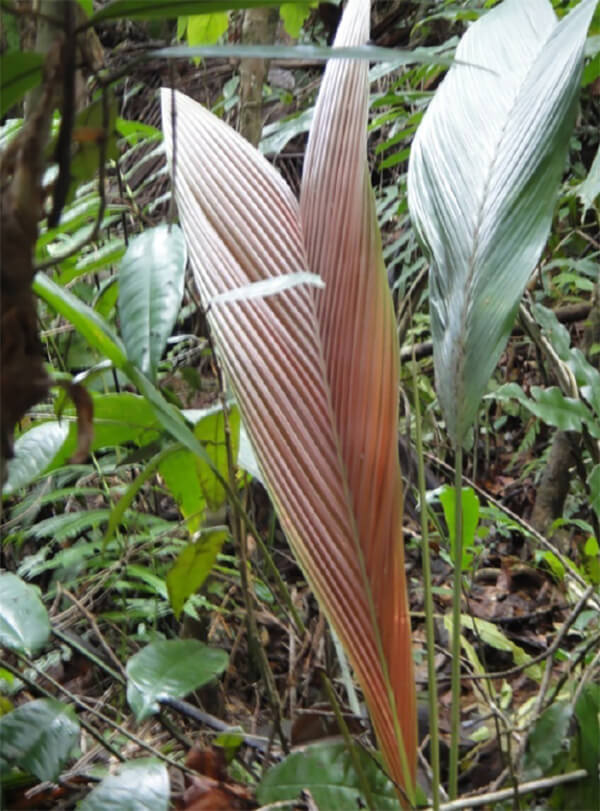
{"x": 161, "y": 645}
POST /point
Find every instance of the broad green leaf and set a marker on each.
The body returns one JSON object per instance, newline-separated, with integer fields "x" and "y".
{"x": 171, "y": 668}
{"x": 161, "y": 9}
{"x": 118, "y": 418}
{"x": 566, "y": 413}
{"x": 586, "y": 793}
{"x": 483, "y": 177}
{"x": 554, "y": 564}
{"x": 24, "y": 623}
{"x": 19, "y": 72}
{"x": 34, "y": 450}
{"x": 191, "y": 481}
{"x": 327, "y": 771}
{"x": 138, "y": 785}
{"x": 151, "y": 278}
{"x": 470, "y": 520}
{"x": 594, "y": 485}
{"x": 547, "y": 740}
{"x": 589, "y": 191}
{"x": 206, "y": 29}
{"x": 192, "y": 567}
{"x": 39, "y": 737}
{"x": 309, "y": 368}
{"x": 294, "y": 15}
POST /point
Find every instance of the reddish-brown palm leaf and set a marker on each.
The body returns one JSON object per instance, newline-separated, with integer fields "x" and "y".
{"x": 315, "y": 371}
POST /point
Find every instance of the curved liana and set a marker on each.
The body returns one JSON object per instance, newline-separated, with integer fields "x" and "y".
{"x": 315, "y": 371}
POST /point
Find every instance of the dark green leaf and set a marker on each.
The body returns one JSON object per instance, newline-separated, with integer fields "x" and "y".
{"x": 151, "y": 280}
{"x": 140, "y": 785}
{"x": 566, "y": 413}
{"x": 192, "y": 567}
{"x": 39, "y": 737}
{"x": 326, "y": 770}
{"x": 547, "y": 740}
{"x": 161, "y": 9}
{"x": 24, "y": 624}
{"x": 586, "y": 792}
{"x": 19, "y": 72}
{"x": 171, "y": 668}
{"x": 34, "y": 451}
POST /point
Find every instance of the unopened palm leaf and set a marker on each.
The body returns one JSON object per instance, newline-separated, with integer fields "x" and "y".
{"x": 315, "y": 371}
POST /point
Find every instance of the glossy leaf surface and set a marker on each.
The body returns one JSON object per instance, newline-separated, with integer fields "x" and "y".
{"x": 172, "y": 668}
{"x": 151, "y": 279}
{"x": 326, "y": 770}
{"x": 483, "y": 177}
{"x": 39, "y": 737}
{"x": 24, "y": 623}
{"x": 34, "y": 451}
{"x": 139, "y": 785}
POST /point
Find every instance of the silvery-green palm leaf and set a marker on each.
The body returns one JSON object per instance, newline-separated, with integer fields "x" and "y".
{"x": 484, "y": 171}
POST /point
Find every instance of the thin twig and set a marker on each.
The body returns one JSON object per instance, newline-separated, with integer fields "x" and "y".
{"x": 36, "y": 688}
{"x": 84, "y": 705}
{"x": 506, "y": 794}
{"x": 94, "y": 625}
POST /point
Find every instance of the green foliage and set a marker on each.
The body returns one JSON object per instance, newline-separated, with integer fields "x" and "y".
{"x": 151, "y": 279}
{"x": 206, "y": 29}
{"x": 34, "y": 451}
{"x": 294, "y": 15}
{"x": 24, "y": 625}
{"x": 326, "y": 770}
{"x": 139, "y": 785}
{"x": 470, "y": 513}
{"x": 169, "y": 668}
{"x": 192, "y": 567}
{"x": 161, "y": 9}
{"x": 38, "y": 737}
{"x": 107, "y": 312}
{"x": 547, "y": 740}
{"x": 19, "y": 72}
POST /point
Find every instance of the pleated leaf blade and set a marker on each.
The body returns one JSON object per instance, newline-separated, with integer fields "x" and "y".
{"x": 483, "y": 176}
{"x": 315, "y": 371}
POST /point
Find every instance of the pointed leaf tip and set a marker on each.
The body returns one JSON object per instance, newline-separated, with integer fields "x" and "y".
{"x": 315, "y": 371}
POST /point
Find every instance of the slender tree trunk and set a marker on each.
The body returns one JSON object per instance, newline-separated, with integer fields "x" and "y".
{"x": 259, "y": 28}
